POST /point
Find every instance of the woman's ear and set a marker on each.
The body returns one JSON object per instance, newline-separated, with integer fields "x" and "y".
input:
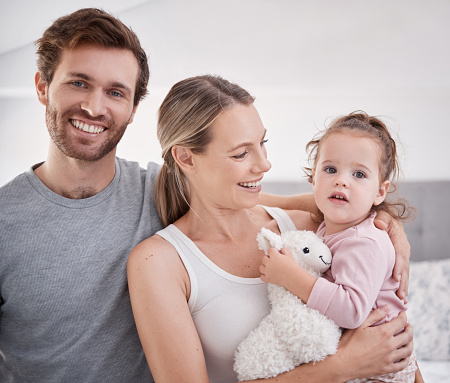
{"x": 183, "y": 157}
{"x": 382, "y": 193}
{"x": 41, "y": 88}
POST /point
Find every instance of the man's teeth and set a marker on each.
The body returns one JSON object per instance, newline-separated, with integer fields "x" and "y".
{"x": 86, "y": 127}
{"x": 250, "y": 184}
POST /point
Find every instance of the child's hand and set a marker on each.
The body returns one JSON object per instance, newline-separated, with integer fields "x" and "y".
{"x": 281, "y": 269}
{"x": 276, "y": 266}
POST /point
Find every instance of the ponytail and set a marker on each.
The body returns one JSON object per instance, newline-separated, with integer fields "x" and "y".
{"x": 172, "y": 194}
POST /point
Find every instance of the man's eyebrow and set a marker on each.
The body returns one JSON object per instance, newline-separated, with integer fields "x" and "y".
{"x": 79, "y": 75}
{"x": 115, "y": 84}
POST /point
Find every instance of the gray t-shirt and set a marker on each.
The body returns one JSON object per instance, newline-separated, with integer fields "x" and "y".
{"x": 65, "y": 313}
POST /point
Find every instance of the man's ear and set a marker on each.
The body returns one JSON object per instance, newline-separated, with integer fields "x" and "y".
{"x": 183, "y": 157}
{"x": 133, "y": 112}
{"x": 41, "y": 88}
{"x": 382, "y": 193}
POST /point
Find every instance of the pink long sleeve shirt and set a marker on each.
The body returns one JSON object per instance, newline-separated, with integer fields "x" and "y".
{"x": 360, "y": 278}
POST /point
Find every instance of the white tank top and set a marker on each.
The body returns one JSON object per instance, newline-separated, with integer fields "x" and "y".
{"x": 225, "y": 308}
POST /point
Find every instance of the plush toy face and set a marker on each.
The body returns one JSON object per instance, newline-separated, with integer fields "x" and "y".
{"x": 307, "y": 249}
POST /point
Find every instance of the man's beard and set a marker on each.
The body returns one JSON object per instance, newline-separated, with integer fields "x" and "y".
{"x": 57, "y": 127}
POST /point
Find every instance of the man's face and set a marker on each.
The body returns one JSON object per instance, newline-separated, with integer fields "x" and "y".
{"x": 89, "y": 102}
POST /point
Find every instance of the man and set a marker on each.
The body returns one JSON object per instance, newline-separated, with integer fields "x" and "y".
{"x": 68, "y": 224}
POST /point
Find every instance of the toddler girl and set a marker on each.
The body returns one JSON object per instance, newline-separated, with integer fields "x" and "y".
{"x": 354, "y": 162}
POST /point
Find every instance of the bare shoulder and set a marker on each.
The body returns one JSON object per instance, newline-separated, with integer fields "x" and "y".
{"x": 303, "y": 220}
{"x": 155, "y": 255}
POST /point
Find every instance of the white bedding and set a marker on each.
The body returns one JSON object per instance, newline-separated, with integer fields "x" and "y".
{"x": 429, "y": 313}
{"x": 435, "y": 371}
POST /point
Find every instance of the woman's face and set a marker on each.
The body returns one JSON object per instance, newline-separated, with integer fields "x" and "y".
{"x": 229, "y": 173}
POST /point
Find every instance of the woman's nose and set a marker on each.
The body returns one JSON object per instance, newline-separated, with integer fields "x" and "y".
{"x": 262, "y": 164}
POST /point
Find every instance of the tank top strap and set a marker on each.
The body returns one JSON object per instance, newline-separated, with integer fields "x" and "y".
{"x": 284, "y": 222}
{"x": 183, "y": 247}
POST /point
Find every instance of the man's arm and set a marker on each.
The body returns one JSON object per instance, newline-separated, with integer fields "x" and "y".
{"x": 303, "y": 202}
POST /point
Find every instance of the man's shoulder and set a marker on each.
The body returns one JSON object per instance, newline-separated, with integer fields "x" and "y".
{"x": 132, "y": 167}
{"x": 13, "y": 186}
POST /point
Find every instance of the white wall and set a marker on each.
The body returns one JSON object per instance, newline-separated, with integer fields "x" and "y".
{"x": 305, "y": 61}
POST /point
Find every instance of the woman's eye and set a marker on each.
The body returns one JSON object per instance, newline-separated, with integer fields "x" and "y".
{"x": 330, "y": 170}
{"x": 359, "y": 174}
{"x": 263, "y": 142}
{"x": 240, "y": 156}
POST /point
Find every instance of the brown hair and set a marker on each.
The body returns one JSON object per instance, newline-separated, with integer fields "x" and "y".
{"x": 184, "y": 118}
{"x": 360, "y": 123}
{"x": 90, "y": 26}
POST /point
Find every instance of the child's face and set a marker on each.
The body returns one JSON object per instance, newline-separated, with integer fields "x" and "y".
{"x": 347, "y": 180}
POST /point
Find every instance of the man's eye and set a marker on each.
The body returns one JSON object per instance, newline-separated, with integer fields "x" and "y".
{"x": 115, "y": 94}
{"x": 78, "y": 83}
{"x": 359, "y": 174}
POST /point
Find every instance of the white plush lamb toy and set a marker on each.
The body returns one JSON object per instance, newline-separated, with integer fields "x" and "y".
{"x": 292, "y": 334}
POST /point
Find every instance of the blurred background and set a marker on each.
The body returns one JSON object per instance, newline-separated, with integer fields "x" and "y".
{"x": 306, "y": 62}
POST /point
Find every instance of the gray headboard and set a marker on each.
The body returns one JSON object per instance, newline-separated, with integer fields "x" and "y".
{"x": 428, "y": 234}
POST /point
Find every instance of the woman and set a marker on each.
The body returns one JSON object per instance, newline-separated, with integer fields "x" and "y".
{"x": 195, "y": 286}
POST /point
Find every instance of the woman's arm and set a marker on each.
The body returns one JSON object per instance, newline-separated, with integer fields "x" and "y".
{"x": 159, "y": 290}
{"x": 362, "y": 353}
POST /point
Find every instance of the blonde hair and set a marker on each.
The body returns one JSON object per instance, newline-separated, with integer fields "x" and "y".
{"x": 360, "y": 123}
{"x": 184, "y": 118}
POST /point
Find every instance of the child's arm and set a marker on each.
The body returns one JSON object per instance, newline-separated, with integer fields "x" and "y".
{"x": 360, "y": 269}
{"x": 281, "y": 269}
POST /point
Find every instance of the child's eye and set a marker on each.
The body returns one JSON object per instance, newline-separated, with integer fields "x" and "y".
{"x": 330, "y": 169}
{"x": 359, "y": 174}
{"x": 240, "y": 156}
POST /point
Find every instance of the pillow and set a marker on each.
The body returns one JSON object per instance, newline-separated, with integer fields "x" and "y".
{"x": 429, "y": 308}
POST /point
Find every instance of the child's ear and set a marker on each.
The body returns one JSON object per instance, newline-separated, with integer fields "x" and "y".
{"x": 382, "y": 193}
{"x": 183, "y": 157}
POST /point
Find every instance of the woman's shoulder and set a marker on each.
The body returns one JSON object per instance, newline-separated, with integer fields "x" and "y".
{"x": 155, "y": 249}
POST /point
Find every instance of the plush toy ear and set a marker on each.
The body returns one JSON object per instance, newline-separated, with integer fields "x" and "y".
{"x": 267, "y": 239}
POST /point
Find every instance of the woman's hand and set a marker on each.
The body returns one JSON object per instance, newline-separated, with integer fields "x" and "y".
{"x": 402, "y": 250}
{"x": 370, "y": 351}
